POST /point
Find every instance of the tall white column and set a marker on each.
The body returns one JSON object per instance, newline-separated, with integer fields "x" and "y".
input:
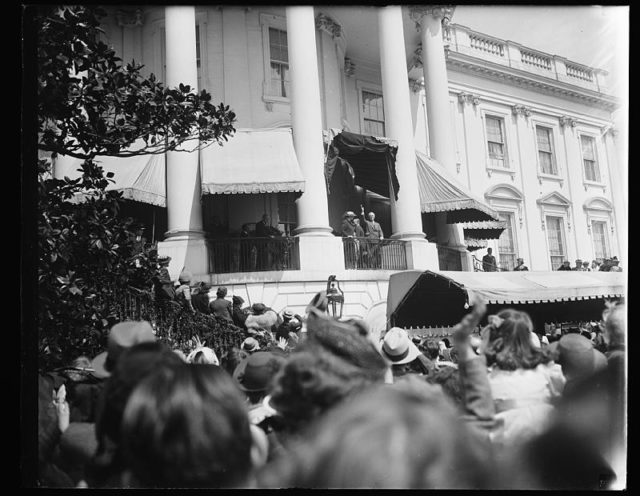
{"x": 441, "y": 140}
{"x": 184, "y": 240}
{"x": 406, "y": 219}
{"x": 619, "y": 192}
{"x": 306, "y": 120}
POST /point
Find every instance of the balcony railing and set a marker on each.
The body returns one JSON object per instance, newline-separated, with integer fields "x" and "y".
{"x": 229, "y": 255}
{"x": 372, "y": 254}
{"x": 449, "y": 259}
{"x": 486, "y": 45}
{"x": 531, "y": 58}
{"x": 579, "y": 73}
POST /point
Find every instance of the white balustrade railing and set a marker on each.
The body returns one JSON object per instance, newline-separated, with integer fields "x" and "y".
{"x": 536, "y": 60}
{"x": 486, "y": 45}
{"x": 579, "y": 73}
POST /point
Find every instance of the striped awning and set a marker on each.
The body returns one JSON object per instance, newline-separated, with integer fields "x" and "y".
{"x": 490, "y": 229}
{"x": 252, "y": 161}
{"x": 441, "y": 192}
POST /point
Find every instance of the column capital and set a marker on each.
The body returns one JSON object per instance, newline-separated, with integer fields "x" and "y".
{"x": 129, "y": 18}
{"x": 611, "y": 130}
{"x": 328, "y": 25}
{"x": 415, "y": 85}
{"x": 469, "y": 98}
{"x": 349, "y": 67}
{"x": 444, "y": 12}
{"x": 565, "y": 121}
{"x": 522, "y": 110}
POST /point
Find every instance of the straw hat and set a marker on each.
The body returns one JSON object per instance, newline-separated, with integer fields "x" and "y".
{"x": 398, "y": 348}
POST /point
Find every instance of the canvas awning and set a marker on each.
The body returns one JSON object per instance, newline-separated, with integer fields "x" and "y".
{"x": 252, "y": 161}
{"x": 474, "y": 244}
{"x": 489, "y": 229}
{"x": 140, "y": 178}
{"x": 441, "y": 192}
{"x": 426, "y": 298}
{"x": 367, "y": 161}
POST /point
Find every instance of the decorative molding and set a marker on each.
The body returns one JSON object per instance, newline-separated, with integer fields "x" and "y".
{"x": 565, "y": 120}
{"x": 521, "y": 110}
{"x": 468, "y": 98}
{"x": 349, "y": 67}
{"x": 444, "y": 12}
{"x": 610, "y": 129}
{"x": 328, "y": 25}
{"x": 128, "y": 18}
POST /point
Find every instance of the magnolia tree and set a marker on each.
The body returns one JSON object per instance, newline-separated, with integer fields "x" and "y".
{"x": 91, "y": 104}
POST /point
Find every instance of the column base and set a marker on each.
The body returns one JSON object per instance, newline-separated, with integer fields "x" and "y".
{"x": 310, "y": 230}
{"x": 188, "y": 252}
{"x": 421, "y": 255}
{"x": 321, "y": 254}
{"x": 177, "y": 234}
{"x": 408, "y": 235}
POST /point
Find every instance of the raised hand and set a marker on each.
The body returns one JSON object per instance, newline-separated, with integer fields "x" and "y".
{"x": 62, "y": 408}
{"x": 462, "y": 331}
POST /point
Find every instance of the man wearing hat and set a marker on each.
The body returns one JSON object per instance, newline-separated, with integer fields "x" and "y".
{"x": 403, "y": 355}
{"x": 520, "y": 265}
{"x": 200, "y": 297}
{"x": 578, "y": 265}
{"x": 221, "y": 307}
{"x": 577, "y": 357}
{"x": 238, "y": 313}
{"x": 162, "y": 283}
{"x": 348, "y": 226}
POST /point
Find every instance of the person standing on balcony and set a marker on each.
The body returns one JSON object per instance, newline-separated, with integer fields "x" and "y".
{"x": 521, "y": 265}
{"x": 359, "y": 235}
{"x": 269, "y": 256}
{"x": 566, "y": 265}
{"x": 221, "y": 307}
{"x": 374, "y": 234}
{"x": 349, "y": 231}
{"x": 489, "y": 262}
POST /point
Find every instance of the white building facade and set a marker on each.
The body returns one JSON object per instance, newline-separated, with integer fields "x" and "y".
{"x": 527, "y": 132}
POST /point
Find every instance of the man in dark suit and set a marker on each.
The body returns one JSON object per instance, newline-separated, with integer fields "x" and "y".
{"x": 489, "y": 262}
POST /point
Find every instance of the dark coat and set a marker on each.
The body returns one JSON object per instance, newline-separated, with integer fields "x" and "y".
{"x": 348, "y": 228}
{"x": 221, "y": 308}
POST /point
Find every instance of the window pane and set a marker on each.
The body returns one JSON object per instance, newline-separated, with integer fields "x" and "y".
{"x": 544, "y": 139}
{"x": 555, "y": 237}
{"x": 600, "y": 239}
{"x": 588, "y": 148}
{"x": 494, "y": 130}
{"x": 496, "y": 150}
{"x": 506, "y": 243}
{"x": 546, "y": 163}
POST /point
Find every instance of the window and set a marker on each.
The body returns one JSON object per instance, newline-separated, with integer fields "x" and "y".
{"x": 496, "y": 143}
{"x": 506, "y": 243}
{"x": 600, "y": 239}
{"x": 278, "y": 84}
{"x": 373, "y": 113}
{"x": 555, "y": 236}
{"x": 546, "y": 155}
{"x": 591, "y": 170}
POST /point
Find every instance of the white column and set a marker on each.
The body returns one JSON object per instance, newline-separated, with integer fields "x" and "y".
{"x": 441, "y": 140}
{"x": 185, "y": 237}
{"x": 306, "y": 120}
{"x": 619, "y": 193}
{"x": 406, "y": 220}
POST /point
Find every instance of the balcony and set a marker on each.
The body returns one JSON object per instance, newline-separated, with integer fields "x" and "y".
{"x": 374, "y": 254}
{"x": 229, "y": 255}
{"x": 463, "y": 40}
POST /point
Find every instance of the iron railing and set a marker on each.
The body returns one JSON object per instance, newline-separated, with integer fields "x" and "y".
{"x": 229, "y": 255}
{"x": 479, "y": 266}
{"x": 372, "y": 254}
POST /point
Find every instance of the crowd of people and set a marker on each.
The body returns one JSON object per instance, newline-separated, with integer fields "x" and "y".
{"x": 316, "y": 402}
{"x": 489, "y": 264}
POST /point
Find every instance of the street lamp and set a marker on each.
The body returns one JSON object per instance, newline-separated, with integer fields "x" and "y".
{"x": 335, "y": 297}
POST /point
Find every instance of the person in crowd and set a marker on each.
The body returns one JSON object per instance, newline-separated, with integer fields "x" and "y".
{"x": 200, "y": 297}
{"x": 221, "y": 307}
{"x": 585, "y": 266}
{"x": 262, "y": 320}
{"x": 606, "y": 265}
{"x": 254, "y": 376}
{"x": 162, "y": 283}
{"x": 250, "y": 345}
{"x": 615, "y": 265}
{"x": 183, "y": 291}
{"x": 187, "y": 426}
{"x": 403, "y": 355}
{"x": 232, "y": 358}
{"x": 520, "y": 265}
{"x": 333, "y": 362}
{"x": 595, "y": 266}
{"x": 53, "y": 421}
{"x": 578, "y": 265}
{"x": 203, "y": 355}
{"x": 238, "y": 313}
{"x": 521, "y": 378}
{"x": 614, "y": 330}
{"x": 489, "y": 263}
{"x": 416, "y": 441}
{"x": 566, "y": 265}
{"x": 289, "y": 329}
{"x": 106, "y": 467}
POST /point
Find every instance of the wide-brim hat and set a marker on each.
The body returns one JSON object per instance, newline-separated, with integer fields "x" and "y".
{"x": 121, "y": 336}
{"x": 238, "y": 300}
{"x": 250, "y": 344}
{"x": 210, "y": 355}
{"x": 287, "y": 314}
{"x": 258, "y": 308}
{"x": 398, "y": 348}
{"x": 349, "y": 213}
{"x": 254, "y": 373}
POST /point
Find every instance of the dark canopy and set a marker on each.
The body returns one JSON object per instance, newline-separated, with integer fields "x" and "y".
{"x": 363, "y": 160}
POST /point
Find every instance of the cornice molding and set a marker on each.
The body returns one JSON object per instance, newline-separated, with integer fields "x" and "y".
{"x": 490, "y": 70}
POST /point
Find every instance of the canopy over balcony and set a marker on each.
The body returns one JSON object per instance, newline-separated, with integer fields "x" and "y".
{"x": 490, "y": 229}
{"x": 420, "y": 299}
{"x": 441, "y": 192}
{"x": 252, "y": 161}
{"x": 140, "y": 178}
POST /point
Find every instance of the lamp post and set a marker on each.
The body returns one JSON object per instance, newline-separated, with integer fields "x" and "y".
{"x": 335, "y": 297}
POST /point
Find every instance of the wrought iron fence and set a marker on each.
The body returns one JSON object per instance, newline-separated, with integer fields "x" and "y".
{"x": 253, "y": 254}
{"x": 372, "y": 254}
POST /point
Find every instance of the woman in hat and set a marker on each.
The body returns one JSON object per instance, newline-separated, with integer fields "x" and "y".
{"x": 402, "y": 354}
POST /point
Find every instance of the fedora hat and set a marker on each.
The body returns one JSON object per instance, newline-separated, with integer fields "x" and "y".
{"x": 121, "y": 336}
{"x": 209, "y": 355}
{"x": 398, "y": 348}
{"x": 250, "y": 344}
{"x": 254, "y": 373}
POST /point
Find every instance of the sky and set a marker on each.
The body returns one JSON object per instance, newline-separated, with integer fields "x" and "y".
{"x": 597, "y": 36}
